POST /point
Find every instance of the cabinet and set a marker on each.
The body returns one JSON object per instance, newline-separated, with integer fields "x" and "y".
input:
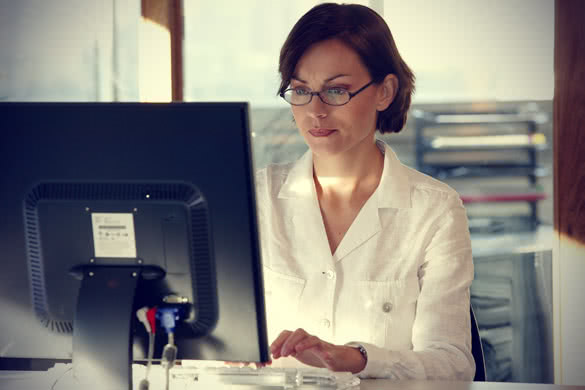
{"x": 511, "y": 296}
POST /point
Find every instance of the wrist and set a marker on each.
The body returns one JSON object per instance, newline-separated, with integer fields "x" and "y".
{"x": 360, "y": 360}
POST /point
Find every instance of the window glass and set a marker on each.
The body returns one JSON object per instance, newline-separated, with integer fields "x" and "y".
{"x": 231, "y": 54}
{"x": 475, "y": 50}
{"x": 69, "y": 50}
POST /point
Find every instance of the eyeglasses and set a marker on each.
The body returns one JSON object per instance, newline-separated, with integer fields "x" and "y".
{"x": 334, "y": 96}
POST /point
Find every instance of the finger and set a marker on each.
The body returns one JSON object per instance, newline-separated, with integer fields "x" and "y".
{"x": 261, "y": 364}
{"x": 276, "y": 345}
{"x": 247, "y": 364}
{"x": 236, "y": 364}
{"x": 289, "y": 345}
{"x": 309, "y": 342}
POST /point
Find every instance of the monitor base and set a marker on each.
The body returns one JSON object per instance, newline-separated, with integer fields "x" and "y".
{"x": 102, "y": 354}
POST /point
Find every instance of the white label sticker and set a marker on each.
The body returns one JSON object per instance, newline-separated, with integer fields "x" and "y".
{"x": 113, "y": 235}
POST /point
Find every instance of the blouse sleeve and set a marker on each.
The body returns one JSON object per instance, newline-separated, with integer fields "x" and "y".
{"x": 441, "y": 337}
{"x": 262, "y": 202}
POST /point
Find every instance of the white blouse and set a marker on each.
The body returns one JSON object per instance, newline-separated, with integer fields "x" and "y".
{"x": 397, "y": 284}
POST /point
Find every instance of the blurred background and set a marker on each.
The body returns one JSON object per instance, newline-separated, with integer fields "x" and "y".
{"x": 481, "y": 118}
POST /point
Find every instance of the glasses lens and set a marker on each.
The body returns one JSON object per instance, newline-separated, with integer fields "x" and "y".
{"x": 335, "y": 96}
{"x": 297, "y": 96}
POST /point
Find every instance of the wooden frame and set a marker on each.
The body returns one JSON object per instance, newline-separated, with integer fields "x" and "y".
{"x": 169, "y": 14}
{"x": 569, "y": 190}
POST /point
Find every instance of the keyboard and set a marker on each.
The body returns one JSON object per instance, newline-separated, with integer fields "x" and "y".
{"x": 217, "y": 377}
{"x": 277, "y": 377}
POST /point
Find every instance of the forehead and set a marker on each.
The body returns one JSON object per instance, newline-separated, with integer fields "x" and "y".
{"x": 328, "y": 58}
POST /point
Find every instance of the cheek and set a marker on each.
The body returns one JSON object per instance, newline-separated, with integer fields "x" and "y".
{"x": 362, "y": 117}
{"x": 297, "y": 115}
{"x": 370, "y": 115}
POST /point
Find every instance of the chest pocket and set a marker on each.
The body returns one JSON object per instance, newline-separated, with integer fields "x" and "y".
{"x": 283, "y": 294}
{"x": 383, "y": 313}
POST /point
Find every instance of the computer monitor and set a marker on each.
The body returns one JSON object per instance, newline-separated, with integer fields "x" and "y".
{"x": 108, "y": 207}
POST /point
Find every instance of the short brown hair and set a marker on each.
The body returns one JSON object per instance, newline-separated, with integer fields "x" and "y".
{"x": 363, "y": 30}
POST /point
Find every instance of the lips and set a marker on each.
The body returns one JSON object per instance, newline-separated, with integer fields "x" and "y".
{"x": 321, "y": 132}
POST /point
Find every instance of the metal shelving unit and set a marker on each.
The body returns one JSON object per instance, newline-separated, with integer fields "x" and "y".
{"x": 470, "y": 147}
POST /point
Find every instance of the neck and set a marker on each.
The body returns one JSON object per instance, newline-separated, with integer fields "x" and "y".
{"x": 348, "y": 174}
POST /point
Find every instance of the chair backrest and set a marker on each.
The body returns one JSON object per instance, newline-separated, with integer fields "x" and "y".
{"x": 477, "y": 350}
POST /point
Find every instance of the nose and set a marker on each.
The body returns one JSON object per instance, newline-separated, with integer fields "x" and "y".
{"x": 316, "y": 108}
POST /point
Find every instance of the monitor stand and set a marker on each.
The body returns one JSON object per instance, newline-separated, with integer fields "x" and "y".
{"x": 102, "y": 345}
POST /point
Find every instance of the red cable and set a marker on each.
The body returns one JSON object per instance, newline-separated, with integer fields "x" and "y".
{"x": 151, "y": 317}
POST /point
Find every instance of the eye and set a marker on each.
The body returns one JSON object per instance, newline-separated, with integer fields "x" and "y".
{"x": 337, "y": 91}
{"x": 300, "y": 91}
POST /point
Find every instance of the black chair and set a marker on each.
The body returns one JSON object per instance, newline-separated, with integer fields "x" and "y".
{"x": 477, "y": 350}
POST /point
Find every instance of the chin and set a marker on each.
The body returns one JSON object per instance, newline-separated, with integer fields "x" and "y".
{"x": 325, "y": 149}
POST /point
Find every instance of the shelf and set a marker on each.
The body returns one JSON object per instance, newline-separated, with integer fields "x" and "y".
{"x": 488, "y": 248}
{"x": 454, "y": 118}
{"x": 535, "y": 141}
{"x": 469, "y": 171}
{"x": 502, "y": 195}
{"x": 494, "y": 317}
{"x": 498, "y": 225}
{"x": 499, "y": 335}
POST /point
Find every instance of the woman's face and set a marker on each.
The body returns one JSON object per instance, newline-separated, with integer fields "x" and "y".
{"x": 331, "y": 130}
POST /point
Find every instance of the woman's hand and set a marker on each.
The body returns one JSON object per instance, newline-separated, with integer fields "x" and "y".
{"x": 315, "y": 352}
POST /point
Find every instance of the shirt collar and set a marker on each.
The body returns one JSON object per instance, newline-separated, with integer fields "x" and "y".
{"x": 394, "y": 188}
{"x": 299, "y": 182}
{"x": 392, "y": 192}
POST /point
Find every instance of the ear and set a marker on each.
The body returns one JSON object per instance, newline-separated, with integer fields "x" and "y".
{"x": 387, "y": 92}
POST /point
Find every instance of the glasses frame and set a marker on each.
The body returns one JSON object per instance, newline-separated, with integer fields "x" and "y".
{"x": 351, "y": 95}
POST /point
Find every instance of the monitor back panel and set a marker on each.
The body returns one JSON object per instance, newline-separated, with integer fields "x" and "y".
{"x": 204, "y": 144}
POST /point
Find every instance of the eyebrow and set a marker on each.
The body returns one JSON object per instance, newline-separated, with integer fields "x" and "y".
{"x": 326, "y": 80}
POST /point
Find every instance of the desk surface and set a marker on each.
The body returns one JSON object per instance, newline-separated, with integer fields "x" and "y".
{"x": 17, "y": 380}
{"x": 381, "y": 384}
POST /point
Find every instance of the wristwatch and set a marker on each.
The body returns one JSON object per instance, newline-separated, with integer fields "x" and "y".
{"x": 363, "y": 352}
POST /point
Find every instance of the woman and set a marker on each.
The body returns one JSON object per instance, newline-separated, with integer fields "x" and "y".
{"x": 367, "y": 262}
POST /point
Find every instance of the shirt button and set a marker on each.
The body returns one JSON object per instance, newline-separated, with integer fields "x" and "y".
{"x": 386, "y": 307}
{"x": 326, "y": 323}
{"x": 330, "y": 274}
